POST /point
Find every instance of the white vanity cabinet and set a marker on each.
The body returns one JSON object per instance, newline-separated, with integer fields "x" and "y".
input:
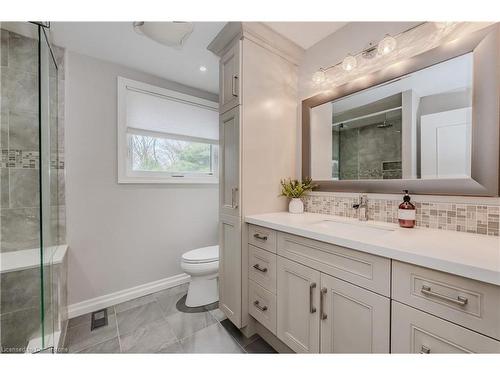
{"x": 315, "y": 311}
{"x": 230, "y": 267}
{"x": 414, "y": 331}
{"x": 229, "y": 78}
{"x": 353, "y": 319}
{"x": 229, "y": 155}
{"x": 298, "y": 310}
{"x": 319, "y": 297}
{"x": 257, "y": 122}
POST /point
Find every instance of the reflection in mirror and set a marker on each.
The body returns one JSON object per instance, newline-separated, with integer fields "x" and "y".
{"x": 416, "y": 126}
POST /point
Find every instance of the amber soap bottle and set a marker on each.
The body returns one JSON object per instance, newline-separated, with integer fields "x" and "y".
{"x": 406, "y": 212}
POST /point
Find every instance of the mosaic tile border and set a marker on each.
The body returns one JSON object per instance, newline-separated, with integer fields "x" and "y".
{"x": 28, "y": 159}
{"x": 471, "y": 218}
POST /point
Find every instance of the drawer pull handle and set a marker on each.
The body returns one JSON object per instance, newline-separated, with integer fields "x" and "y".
{"x": 425, "y": 350}
{"x": 312, "y": 309}
{"x": 461, "y": 301}
{"x": 258, "y": 306}
{"x": 260, "y": 237}
{"x": 258, "y": 268}
{"x": 322, "y": 314}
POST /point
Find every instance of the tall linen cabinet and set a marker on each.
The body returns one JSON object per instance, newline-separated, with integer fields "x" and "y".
{"x": 258, "y": 130}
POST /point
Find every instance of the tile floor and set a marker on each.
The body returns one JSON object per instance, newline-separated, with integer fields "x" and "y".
{"x": 152, "y": 324}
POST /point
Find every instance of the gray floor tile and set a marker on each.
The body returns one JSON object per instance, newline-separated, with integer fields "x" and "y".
{"x": 85, "y": 319}
{"x": 81, "y": 337}
{"x": 218, "y": 314}
{"x": 185, "y": 324}
{"x": 168, "y": 301}
{"x": 110, "y": 346}
{"x": 236, "y": 333}
{"x": 131, "y": 319}
{"x": 183, "y": 288}
{"x": 148, "y": 339}
{"x": 213, "y": 339}
{"x": 134, "y": 303}
{"x": 259, "y": 346}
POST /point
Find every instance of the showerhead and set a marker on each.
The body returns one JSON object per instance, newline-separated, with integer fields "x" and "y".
{"x": 384, "y": 125}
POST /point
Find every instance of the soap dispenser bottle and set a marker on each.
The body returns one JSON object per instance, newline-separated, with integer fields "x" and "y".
{"x": 406, "y": 212}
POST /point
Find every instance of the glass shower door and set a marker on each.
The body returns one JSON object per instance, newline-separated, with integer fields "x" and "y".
{"x": 49, "y": 206}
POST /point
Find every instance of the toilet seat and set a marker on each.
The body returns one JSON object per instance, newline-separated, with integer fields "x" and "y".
{"x": 202, "y": 255}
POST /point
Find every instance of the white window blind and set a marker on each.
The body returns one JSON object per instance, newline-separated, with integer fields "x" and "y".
{"x": 165, "y": 136}
{"x": 164, "y": 113}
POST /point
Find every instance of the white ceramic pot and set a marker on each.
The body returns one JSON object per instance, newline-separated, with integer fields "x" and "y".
{"x": 296, "y": 206}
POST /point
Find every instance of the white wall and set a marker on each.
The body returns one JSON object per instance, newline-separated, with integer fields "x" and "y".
{"x": 121, "y": 236}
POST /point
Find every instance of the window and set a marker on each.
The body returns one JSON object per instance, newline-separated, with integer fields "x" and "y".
{"x": 165, "y": 136}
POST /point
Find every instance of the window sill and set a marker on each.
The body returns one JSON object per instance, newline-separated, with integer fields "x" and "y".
{"x": 170, "y": 181}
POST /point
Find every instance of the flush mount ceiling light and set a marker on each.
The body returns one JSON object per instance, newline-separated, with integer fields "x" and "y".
{"x": 172, "y": 34}
{"x": 387, "y": 45}
{"x": 203, "y": 68}
{"x": 349, "y": 63}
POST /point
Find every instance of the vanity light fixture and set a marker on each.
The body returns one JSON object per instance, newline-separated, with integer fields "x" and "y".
{"x": 387, "y": 45}
{"x": 384, "y": 47}
{"x": 319, "y": 76}
{"x": 349, "y": 63}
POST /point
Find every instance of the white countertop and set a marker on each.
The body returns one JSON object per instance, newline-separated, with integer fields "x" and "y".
{"x": 470, "y": 255}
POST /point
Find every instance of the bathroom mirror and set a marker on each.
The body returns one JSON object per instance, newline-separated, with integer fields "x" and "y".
{"x": 427, "y": 128}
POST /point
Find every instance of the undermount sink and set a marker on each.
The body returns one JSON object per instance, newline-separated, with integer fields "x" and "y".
{"x": 362, "y": 228}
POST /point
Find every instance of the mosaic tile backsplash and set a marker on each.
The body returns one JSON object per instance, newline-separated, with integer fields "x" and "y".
{"x": 471, "y": 218}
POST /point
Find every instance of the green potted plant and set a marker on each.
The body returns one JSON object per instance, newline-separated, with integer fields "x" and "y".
{"x": 295, "y": 189}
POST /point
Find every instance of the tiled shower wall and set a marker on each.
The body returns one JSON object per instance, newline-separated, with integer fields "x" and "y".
{"x": 19, "y": 141}
{"x": 462, "y": 217}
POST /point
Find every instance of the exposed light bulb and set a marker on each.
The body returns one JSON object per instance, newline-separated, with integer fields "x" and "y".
{"x": 349, "y": 63}
{"x": 387, "y": 45}
{"x": 203, "y": 68}
{"x": 319, "y": 76}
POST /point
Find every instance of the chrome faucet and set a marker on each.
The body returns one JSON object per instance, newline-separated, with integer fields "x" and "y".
{"x": 362, "y": 207}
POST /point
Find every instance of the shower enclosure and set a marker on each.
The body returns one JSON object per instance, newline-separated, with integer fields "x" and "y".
{"x": 32, "y": 236}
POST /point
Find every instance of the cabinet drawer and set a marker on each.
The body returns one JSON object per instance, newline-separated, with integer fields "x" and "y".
{"x": 262, "y": 237}
{"x": 414, "y": 331}
{"x": 467, "y": 302}
{"x": 369, "y": 271}
{"x": 262, "y": 305}
{"x": 262, "y": 267}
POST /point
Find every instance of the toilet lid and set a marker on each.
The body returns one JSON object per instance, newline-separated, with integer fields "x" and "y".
{"x": 202, "y": 255}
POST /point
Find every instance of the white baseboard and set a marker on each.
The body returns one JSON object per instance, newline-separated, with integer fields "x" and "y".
{"x": 124, "y": 295}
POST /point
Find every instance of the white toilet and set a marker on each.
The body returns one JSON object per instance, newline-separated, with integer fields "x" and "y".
{"x": 203, "y": 266}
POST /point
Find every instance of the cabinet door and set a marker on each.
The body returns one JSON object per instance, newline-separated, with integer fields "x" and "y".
{"x": 229, "y": 134}
{"x": 353, "y": 319}
{"x": 230, "y": 268}
{"x": 229, "y": 68}
{"x": 414, "y": 331}
{"x": 298, "y": 310}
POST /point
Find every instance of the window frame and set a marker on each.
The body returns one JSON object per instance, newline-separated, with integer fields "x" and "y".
{"x": 125, "y": 173}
